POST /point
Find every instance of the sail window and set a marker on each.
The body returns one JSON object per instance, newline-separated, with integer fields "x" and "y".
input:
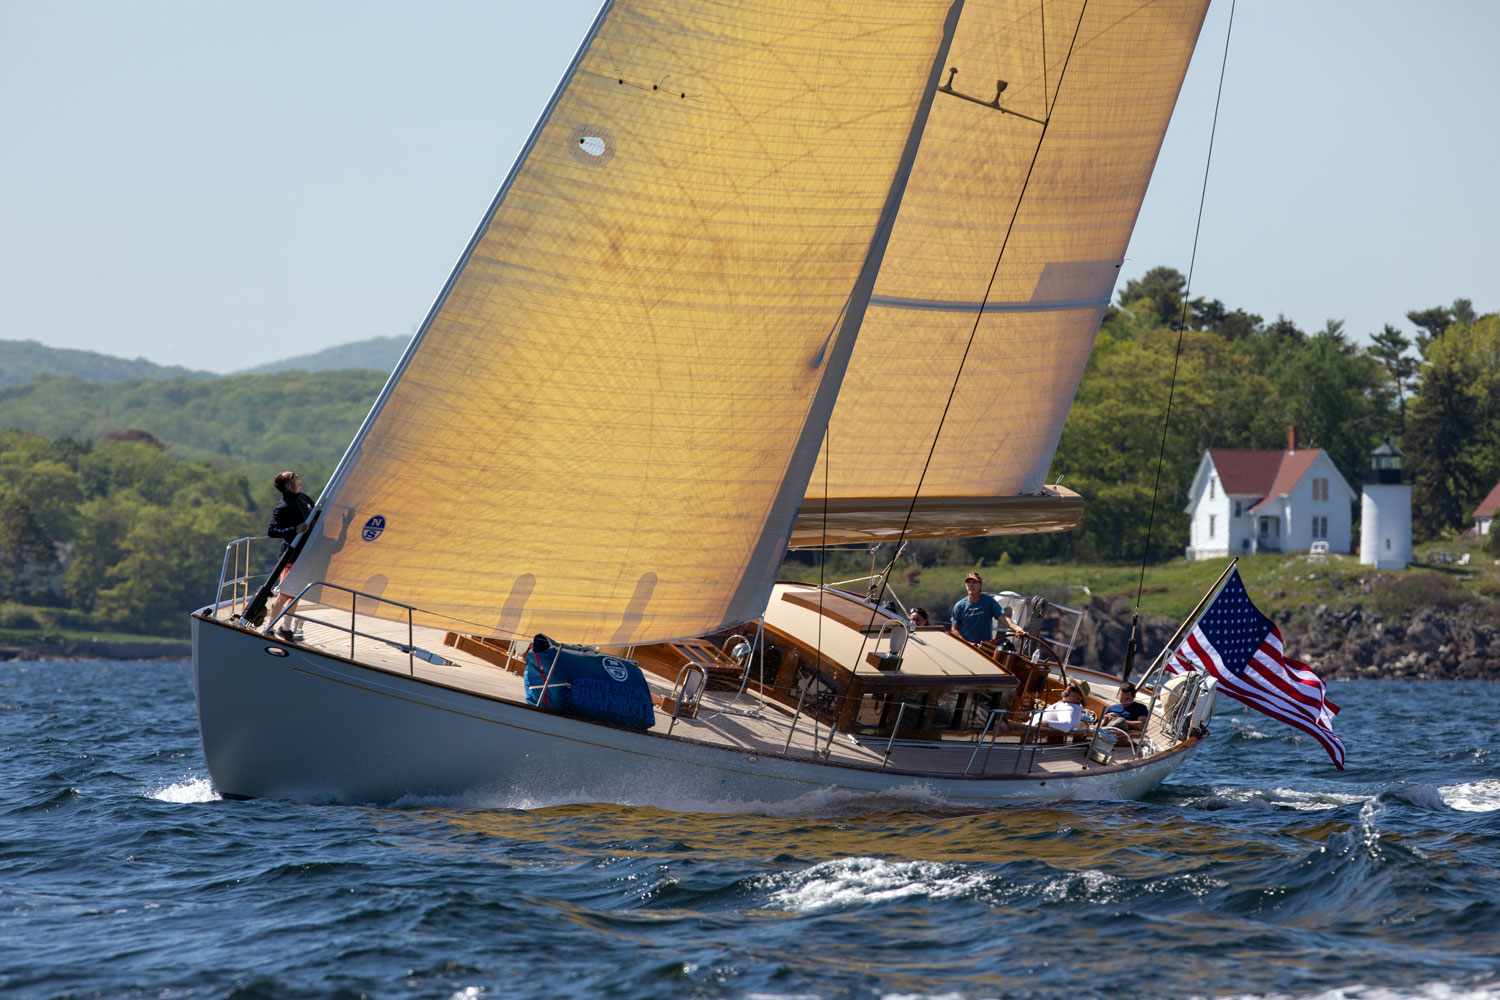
{"x": 592, "y": 144}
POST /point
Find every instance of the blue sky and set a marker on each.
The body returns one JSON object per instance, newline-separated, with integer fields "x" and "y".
{"x": 218, "y": 185}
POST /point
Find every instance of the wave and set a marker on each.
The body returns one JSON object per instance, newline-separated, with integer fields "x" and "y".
{"x": 861, "y": 881}
{"x": 1420, "y": 796}
{"x": 1472, "y": 796}
{"x": 1273, "y": 798}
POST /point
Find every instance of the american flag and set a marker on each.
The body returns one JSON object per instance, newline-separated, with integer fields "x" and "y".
{"x": 1233, "y": 642}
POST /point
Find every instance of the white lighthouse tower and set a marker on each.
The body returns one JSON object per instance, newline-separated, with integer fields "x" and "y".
{"x": 1385, "y": 513}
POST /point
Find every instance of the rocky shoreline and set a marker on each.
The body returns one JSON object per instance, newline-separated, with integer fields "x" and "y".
{"x": 1339, "y": 643}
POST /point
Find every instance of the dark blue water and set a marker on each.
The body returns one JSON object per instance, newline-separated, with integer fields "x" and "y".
{"x": 1258, "y": 871}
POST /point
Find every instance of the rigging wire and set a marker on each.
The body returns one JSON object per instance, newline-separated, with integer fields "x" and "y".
{"x": 968, "y": 346}
{"x": 1181, "y": 329}
{"x": 994, "y": 274}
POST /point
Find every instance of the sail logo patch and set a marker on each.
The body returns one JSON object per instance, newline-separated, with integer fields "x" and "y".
{"x": 373, "y": 527}
{"x": 615, "y": 668}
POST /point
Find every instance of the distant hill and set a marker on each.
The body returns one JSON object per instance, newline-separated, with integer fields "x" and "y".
{"x": 23, "y": 360}
{"x": 377, "y": 354}
{"x": 256, "y": 423}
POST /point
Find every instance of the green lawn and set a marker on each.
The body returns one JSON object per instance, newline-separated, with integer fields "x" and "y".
{"x": 1277, "y": 582}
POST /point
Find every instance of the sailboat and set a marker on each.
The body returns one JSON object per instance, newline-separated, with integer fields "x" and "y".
{"x": 765, "y": 275}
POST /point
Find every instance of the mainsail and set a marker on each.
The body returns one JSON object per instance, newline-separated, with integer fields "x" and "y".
{"x": 606, "y": 425}
{"x": 1102, "y": 77}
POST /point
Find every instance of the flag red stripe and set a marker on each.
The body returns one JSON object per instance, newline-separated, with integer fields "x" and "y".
{"x": 1265, "y": 694}
{"x": 1269, "y": 674}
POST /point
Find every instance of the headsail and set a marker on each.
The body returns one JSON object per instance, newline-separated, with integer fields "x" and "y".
{"x": 1104, "y": 75}
{"x": 606, "y": 425}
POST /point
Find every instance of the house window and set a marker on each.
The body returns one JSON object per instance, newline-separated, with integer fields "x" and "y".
{"x": 1211, "y": 487}
{"x": 1320, "y": 527}
{"x": 1387, "y": 543}
{"x": 1320, "y": 489}
{"x": 1210, "y": 526}
{"x": 1236, "y": 508}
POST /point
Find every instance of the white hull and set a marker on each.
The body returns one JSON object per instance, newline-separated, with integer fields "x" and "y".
{"x": 302, "y": 724}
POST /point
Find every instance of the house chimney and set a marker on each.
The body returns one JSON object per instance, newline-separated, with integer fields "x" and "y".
{"x": 1291, "y": 437}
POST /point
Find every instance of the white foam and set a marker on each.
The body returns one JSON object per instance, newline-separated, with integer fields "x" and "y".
{"x": 467, "y": 993}
{"x": 1091, "y": 882}
{"x": 861, "y": 881}
{"x": 192, "y": 790}
{"x": 1473, "y": 796}
{"x": 1360, "y": 991}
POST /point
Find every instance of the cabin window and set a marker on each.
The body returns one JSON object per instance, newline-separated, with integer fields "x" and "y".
{"x": 1210, "y": 526}
{"x": 945, "y": 707}
{"x": 813, "y": 687}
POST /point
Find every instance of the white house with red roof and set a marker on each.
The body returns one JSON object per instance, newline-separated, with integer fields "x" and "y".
{"x": 1485, "y": 513}
{"x": 1246, "y": 500}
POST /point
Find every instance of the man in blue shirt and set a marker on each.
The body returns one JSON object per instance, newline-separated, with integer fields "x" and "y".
{"x": 1129, "y": 711}
{"x": 972, "y": 614}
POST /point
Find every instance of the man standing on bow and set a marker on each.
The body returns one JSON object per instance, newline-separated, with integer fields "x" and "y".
{"x": 973, "y": 612}
{"x": 288, "y": 520}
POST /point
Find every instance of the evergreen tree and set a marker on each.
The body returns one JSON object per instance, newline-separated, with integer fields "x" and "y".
{"x": 1431, "y": 322}
{"x": 1389, "y": 347}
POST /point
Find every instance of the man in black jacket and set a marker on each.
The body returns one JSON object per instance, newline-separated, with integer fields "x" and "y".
{"x": 288, "y": 520}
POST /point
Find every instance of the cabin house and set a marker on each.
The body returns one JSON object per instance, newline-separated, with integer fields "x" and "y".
{"x": 1484, "y": 514}
{"x": 1244, "y": 501}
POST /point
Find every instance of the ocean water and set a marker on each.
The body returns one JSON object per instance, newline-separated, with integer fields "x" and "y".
{"x": 1258, "y": 871}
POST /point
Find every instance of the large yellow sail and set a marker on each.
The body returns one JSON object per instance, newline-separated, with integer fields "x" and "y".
{"x": 605, "y": 427}
{"x": 1102, "y": 78}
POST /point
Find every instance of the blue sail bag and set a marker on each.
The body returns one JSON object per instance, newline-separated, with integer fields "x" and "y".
{"x": 576, "y": 680}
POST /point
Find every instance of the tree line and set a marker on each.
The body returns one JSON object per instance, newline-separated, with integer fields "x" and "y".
{"x": 1239, "y": 382}
{"x": 126, "y": 528}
